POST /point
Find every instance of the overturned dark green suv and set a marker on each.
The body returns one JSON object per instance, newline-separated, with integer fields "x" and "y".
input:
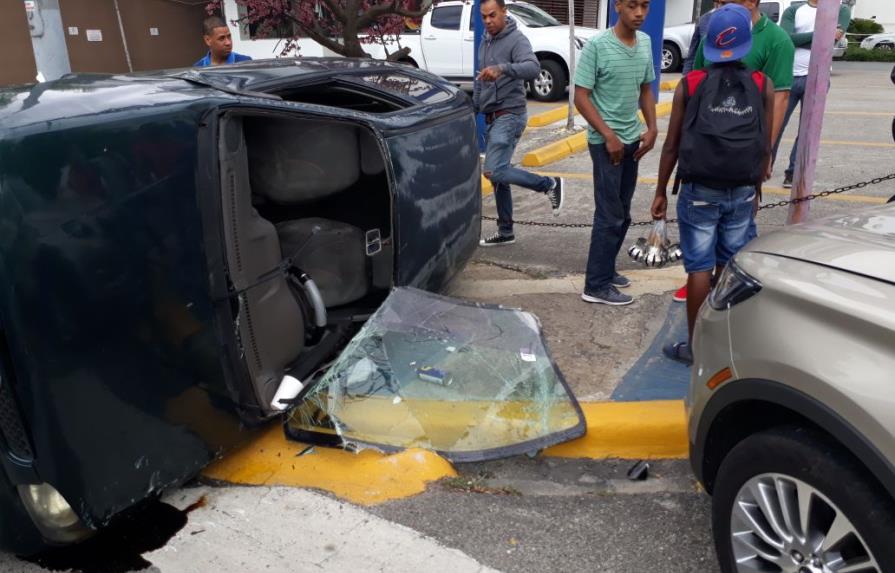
{"x": 176, "y": 247}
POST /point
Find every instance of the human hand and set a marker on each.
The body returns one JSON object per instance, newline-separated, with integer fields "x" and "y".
{"x": 490, "y": 74}
{"x": 647, "y": 142}
{"x": 659, "y": 209}
{"x": 616, "y": 149}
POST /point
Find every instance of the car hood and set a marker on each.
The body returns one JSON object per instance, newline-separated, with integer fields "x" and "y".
{"x": 877, "y": 37}
{"x": 862, "y": 242}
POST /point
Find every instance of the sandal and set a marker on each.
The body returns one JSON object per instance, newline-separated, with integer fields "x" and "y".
{"x": 679, "y": 352}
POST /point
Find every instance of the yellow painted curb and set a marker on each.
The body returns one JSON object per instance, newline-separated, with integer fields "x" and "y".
{"x": 669, "y": 85}
{"x": 365, "y": 478}
{"x": 553, "y": 152}
{"x": 550, "y": 116}
{"x": 487, "y": 188}
{"x": 630, "y": 430}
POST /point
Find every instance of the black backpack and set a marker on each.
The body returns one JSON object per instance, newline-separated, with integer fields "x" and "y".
{"x": 724, "y": 139}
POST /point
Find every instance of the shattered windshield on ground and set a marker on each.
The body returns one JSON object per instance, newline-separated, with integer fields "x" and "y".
{"x": 470, "y": 381}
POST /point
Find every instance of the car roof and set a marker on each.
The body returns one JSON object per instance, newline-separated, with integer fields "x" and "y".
{"x": 860, "y": 242}
{"x": 77, "y": 95}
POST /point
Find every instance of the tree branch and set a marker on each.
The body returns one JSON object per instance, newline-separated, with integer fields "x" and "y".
{"x": 378, "y": 11}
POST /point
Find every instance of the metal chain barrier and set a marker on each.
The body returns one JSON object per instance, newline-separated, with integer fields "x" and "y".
{"x": 786, "y": 203}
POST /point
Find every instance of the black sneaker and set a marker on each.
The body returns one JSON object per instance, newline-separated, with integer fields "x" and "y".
{"x": 497, "y": 240}
{"x": 620, "y": 281}
{"x": 607, "y": 295}
{"x": 556, "y": 195}
{"x": 787, "y": 181}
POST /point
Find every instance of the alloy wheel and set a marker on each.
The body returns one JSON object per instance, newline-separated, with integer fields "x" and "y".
{"x": 782, "y": 524}
{"x": 543, "y": 84}
{"x": 667, "y": 58}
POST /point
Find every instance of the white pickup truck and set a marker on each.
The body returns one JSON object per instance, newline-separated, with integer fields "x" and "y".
{"x": 444, "y": 45}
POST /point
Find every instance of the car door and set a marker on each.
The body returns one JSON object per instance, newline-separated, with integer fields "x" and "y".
{"x": 442, "y": 41}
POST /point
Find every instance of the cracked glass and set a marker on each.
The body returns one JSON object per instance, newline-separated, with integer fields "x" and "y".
{"x": 469, "y": 381}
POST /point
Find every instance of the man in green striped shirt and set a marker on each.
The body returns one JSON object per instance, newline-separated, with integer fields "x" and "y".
{"x": 612, "y": 82}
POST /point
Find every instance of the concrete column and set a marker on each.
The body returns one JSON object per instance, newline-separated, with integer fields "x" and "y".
{"x": 48, "y": 39}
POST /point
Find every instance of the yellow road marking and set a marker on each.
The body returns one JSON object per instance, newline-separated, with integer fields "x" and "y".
{"x": 551, "y": 116}
{"x": 630, "y": 430}
{"x": 365, "y": 478}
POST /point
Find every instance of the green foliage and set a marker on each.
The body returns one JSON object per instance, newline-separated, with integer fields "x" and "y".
{"x": 864, "y": 26}
{"x": 856, "y": 54}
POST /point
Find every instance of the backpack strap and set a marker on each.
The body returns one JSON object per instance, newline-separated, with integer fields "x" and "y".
{"x": 759, "y": 79}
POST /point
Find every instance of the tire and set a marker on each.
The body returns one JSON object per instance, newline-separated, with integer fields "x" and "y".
{"x": 671, "y": 58}
{"x": 778, "y": 463}
{"x": 550, "y": 85}
{"x": 884, "y": 47}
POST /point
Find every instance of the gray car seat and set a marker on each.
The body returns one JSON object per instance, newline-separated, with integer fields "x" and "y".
{"x": 270, "y": 322}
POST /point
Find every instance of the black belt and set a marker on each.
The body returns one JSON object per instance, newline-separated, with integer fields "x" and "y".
{"x": 490, "y": 117}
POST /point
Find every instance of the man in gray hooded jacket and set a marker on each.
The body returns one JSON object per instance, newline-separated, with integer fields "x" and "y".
{"x": 507, "y": 61}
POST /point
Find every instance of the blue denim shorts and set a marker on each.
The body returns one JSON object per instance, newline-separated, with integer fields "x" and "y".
{"x": 713, "y": 224}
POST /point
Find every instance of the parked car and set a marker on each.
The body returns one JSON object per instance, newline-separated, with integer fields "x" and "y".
{"x": 676, "y": 43}
{"x": 879, "y": 42}
{"x": 676, "y": 46}
{"x": 445, "y": 43}
{"x": 791, "y": 408}
{"x": 177, "y": 248}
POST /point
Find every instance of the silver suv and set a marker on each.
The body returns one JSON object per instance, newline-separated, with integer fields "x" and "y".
{"x": 792, "y": 399}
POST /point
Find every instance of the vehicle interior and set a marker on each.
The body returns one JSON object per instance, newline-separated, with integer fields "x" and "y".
{"x": 306, "y": 208}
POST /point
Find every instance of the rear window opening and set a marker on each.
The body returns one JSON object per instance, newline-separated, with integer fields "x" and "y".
{"x": 370, "y": 93}
{"x": 307, "y": 219}
{"x": 342, "y": 96}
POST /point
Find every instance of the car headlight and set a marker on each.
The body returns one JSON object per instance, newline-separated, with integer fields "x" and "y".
{"x": 52, "y": 514}
{"x": 580, "y": 42}
{"x": 734, "y": 286}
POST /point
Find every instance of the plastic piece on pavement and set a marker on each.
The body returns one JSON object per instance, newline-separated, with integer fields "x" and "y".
{"x": 639, "y": 471}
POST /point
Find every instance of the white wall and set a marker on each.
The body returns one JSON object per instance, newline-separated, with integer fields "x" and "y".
{"x": 884, "y": 10}
{"x": 679, "y": 12}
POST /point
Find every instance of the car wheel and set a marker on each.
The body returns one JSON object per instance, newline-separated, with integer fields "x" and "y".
{"x": 550, "y": 83}
{"x": 885, "y": 47}
{"x": 785, "y": 500}
{"x": 671, "y": 58}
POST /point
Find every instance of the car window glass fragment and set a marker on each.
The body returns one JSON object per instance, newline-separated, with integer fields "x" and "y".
{"x": 469, "y": 381}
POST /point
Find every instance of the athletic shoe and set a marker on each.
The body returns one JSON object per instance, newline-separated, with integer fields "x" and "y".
{"x": 620, "y": 281}
{"x": 787, "y": 181}
{"x": 680, "y": 295}
{"x": 556, "y": 195}
{"x": 607, "y": 295}
{"x": 497, "y": 240}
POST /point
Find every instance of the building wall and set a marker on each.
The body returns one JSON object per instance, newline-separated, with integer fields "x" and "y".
{"x": 93, "y": 19}
{"x": 16, "y": 56}
{"x": 179, "y": 28}
{"x": 882, "y": 10}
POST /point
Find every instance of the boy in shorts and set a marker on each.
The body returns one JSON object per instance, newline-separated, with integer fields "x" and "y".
{"x": 720, "y": 134}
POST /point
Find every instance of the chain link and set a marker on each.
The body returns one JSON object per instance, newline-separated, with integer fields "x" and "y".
{"x": 786, "y": 203}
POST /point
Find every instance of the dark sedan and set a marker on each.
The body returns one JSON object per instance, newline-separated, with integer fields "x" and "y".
{"x": 179, "y": 250}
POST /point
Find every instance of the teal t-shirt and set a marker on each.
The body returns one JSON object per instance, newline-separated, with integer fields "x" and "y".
{"x": 614, "y": 72}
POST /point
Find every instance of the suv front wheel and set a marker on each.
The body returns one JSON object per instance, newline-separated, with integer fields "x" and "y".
{"x": 785, "y": 500}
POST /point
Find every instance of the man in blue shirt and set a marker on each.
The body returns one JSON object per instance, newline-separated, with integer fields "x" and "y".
{"x": 220, "y": 44}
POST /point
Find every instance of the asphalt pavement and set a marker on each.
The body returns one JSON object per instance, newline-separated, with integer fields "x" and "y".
{"x": 529, "y": 514}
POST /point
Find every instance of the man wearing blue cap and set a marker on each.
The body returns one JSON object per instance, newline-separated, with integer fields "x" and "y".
{"x": 720, "y": 134}
{"x": 772, "y": 53}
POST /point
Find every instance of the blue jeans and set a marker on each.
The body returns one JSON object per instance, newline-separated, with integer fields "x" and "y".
{"x": 503, "y": 135}
{"x": 714, "y": 224}
{"x": 796, "y": 96}
{"x": 613, "y": 191}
